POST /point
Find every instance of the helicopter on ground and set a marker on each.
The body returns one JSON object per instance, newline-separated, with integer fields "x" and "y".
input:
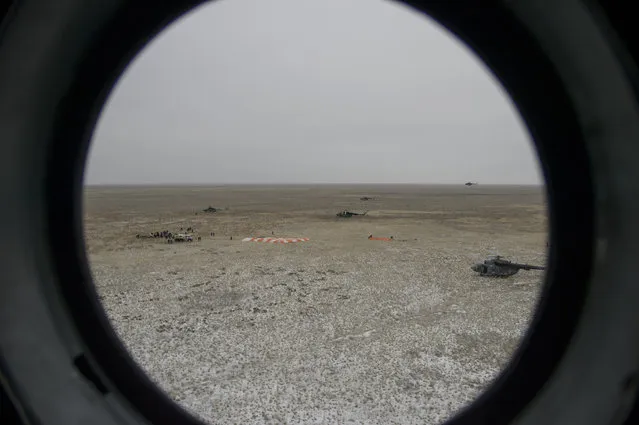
{"x": 496, "y": 266}
{"x": 348, "y": 214}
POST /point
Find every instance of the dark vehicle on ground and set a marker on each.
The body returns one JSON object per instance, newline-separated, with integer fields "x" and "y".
{"x": 348, "y": 214}
{"x": 496, "y": 266}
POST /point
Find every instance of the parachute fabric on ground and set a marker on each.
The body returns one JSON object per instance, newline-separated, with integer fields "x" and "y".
{"x": 377, "y": 238}
{"x": 275, "y": 240}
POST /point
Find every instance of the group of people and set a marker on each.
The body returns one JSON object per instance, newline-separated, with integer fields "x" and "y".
{"x": 171, "y": 237}
{"x": 182, "y": 236}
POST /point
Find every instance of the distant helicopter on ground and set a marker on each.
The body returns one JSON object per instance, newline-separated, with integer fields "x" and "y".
{"x": 470, "y": 183}
{"x": 348, "y": 214}
{"x": 496, "y": 266}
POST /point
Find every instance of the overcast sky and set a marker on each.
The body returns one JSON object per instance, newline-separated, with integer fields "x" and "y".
{"x": 309, "y": 91}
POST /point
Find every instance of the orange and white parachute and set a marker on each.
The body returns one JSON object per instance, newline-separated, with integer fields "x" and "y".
{"x": 275, "y": 240}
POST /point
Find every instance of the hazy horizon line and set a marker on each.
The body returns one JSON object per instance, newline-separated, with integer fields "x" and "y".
{"x": 298, "y": 184}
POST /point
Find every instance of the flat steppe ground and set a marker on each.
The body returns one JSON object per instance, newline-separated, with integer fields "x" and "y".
{"x": 339, "y": 329}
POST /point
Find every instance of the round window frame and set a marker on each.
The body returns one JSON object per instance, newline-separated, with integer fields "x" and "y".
{"x": 69, "y": 58}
